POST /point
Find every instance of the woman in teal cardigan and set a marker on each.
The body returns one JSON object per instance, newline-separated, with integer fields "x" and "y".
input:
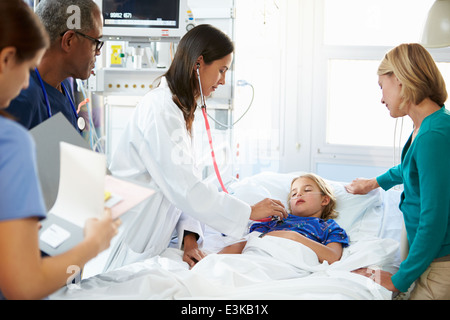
{"x": 413, "y": 86}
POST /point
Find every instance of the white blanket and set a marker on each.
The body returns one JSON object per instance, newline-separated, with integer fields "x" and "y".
{"x": 270, "y": 268}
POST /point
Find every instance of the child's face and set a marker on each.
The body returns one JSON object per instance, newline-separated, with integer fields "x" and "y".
{"x": 306, "y": 199}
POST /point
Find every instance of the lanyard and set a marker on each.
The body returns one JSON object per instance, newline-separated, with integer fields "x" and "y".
{"x": 80, "y": 121}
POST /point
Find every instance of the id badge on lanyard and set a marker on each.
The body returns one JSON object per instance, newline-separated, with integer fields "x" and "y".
{"x": 81, "y": 123}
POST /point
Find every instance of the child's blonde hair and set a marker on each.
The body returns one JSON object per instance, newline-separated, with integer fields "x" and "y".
{"x": 328, "y": 211}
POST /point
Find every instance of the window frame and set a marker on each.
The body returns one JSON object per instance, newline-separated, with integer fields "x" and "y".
{"x": 322, "y": 151}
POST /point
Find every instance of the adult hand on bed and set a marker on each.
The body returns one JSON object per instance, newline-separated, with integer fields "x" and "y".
{"x": 192, "y": 254}
{"x": 268, "y": 208}
{"x": 191, "y": 257}
{"x": 381, "y": 277}
{"x": 362, "y": 186}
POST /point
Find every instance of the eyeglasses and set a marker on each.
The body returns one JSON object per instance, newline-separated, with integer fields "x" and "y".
{"x": 98, "y": 43}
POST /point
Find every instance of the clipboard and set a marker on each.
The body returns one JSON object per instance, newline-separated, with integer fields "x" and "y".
{"x": 74, "y": 181}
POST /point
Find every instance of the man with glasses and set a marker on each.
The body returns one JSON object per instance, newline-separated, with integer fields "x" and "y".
{"x": 74, "y": 27}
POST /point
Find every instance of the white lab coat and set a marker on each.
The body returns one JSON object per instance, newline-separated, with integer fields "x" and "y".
{"x": 156, "y": 149}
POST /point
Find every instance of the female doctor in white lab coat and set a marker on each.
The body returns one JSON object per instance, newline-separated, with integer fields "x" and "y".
{"x": 156, "y": 149}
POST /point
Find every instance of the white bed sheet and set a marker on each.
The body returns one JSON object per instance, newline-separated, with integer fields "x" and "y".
{"x": 270, "y": 268}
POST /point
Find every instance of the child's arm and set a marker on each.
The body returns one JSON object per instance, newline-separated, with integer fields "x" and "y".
{"x": 235, "y": 248}
{"x": 331, "y": 252}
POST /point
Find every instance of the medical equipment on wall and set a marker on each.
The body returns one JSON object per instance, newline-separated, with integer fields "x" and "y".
{"x": 140, "y": 36}
{"x": 81, "y": 123}
{"x": 153, "y": 20}
{"x": 139, "y": 48}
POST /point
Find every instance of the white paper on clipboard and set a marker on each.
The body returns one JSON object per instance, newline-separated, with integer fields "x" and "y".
{"x": 81, "y": 185}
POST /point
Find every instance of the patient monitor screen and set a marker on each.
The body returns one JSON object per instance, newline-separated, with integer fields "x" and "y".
{"x": 141, "y": 13}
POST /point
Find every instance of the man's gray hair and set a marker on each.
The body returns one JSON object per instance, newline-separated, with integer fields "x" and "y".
{"x": 56, "y": 16}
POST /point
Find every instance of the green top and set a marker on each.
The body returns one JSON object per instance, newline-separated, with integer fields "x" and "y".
{"x": 425, "y": 202}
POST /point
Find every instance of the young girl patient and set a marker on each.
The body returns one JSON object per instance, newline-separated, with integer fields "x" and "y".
{"x": 310, "y": 222}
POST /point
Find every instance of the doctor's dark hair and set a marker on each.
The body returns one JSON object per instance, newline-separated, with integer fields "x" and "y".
{"x": 56, "y": 16}
{"x": 203, "y": 40}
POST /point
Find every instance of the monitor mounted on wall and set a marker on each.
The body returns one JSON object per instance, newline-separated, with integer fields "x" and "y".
{"x": 158, "y": 20}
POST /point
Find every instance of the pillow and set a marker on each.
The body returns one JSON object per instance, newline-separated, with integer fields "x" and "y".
{"x": 269, "y": 185}
{"x": 249, "y": 192}
{"x": 359, "y": 215}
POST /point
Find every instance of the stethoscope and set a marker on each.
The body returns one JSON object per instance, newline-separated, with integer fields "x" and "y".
{"x": 81, "y": 123}
{"x": 208, "y": 130}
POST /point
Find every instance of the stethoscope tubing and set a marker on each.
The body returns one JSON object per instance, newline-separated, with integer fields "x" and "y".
{"x": 208, "y": 131}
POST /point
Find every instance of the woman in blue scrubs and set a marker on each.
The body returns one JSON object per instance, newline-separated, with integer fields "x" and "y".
{"x": 24, "y": 274}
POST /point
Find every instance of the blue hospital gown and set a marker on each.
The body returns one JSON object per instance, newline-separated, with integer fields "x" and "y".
{"x": 316, "y": 229}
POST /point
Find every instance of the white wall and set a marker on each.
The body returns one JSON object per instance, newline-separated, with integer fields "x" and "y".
{"x": 297, "y": 86}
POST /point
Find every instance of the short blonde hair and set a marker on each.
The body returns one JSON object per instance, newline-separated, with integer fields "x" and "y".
{"x": 418, "y": 73}
{"x": 328, "y": 211}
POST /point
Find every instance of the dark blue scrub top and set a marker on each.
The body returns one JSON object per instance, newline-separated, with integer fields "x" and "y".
{"x": 29, "y": 107}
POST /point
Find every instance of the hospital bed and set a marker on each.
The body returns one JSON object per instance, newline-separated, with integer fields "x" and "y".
{"x": 270, "y": 268}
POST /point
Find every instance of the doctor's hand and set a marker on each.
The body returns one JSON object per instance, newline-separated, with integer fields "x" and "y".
{"x": 192, "y": 254}
{"x": 362, "y": 186}
{"x": 99, "y": 232}
{"x": 268, "y": 208}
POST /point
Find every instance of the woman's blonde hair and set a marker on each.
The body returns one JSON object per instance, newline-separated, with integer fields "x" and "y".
{"x": 414, "y": 67}
{"x": 328, "y": 211}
